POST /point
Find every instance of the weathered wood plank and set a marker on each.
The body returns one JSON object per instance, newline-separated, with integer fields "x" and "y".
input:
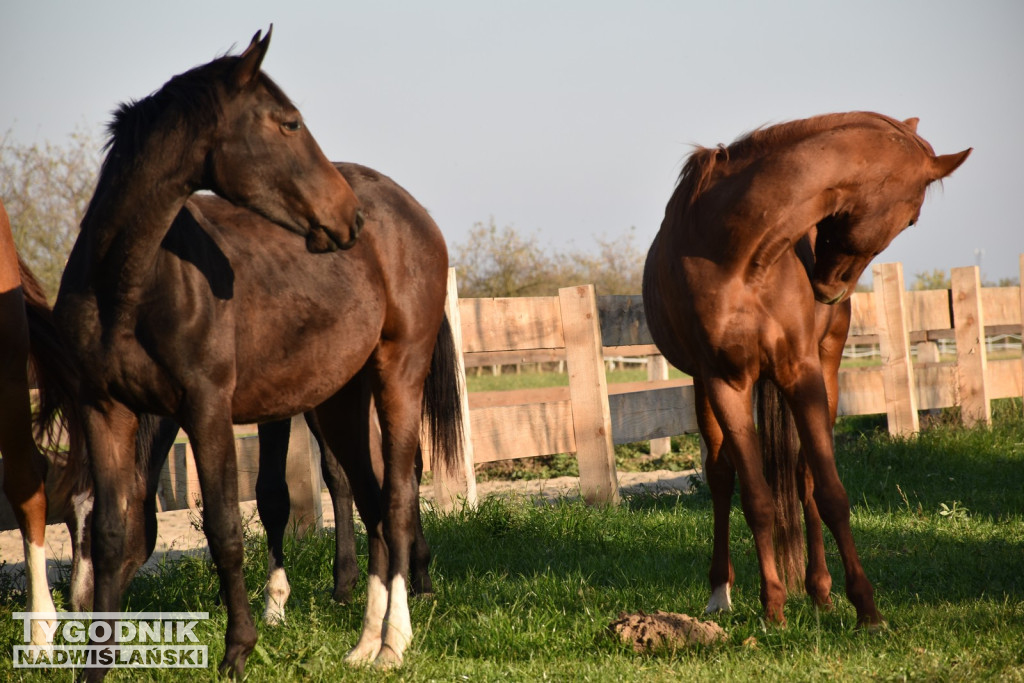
{"x": 894, "y": 344}
{"x": 641, "y": 415}
{"x": 928, "y": 309}
{"x": 657, "y": 369}
{"x": 304, "y": 479}
{"x": 522, "y": 431}
{"x": 591, "y": 417}
{"x": 623, "y": 322}
{"x": 1001, "y": 306}
{"x": 970, "y": 347}
{"x": 508, "y": 324}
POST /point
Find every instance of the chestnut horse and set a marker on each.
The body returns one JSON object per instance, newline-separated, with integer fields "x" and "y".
{"x": 29, "y": 335}
{"x": 184, "y": 313}
{"x": 748, "y": 280}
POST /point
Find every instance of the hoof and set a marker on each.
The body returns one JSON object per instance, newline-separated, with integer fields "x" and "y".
{"x": 872, "y": 624}
{"x": 233, "y": 664}
{"x": 363, "y": 653}
{"x": 720, "y": 601}
{"x": 387, "y": 659}
{"x": 824, "y": 604}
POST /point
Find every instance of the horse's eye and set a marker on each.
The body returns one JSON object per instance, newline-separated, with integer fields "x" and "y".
{"x": 292, "y": 126}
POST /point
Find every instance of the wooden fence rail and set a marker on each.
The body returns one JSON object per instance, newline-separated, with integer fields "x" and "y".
{"x": 589, "y": 417}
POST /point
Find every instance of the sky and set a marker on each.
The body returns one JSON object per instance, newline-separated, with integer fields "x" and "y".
{"x": 567, "y": 120}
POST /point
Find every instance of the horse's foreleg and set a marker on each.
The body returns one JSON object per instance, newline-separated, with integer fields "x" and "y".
{"x": 274, "y": 506}
{"x": 209, "y": 429}
{"x": 721, "y": 480}
{"x": 346, "y": 570}
{"x": 734, "y": 411}
{"x": 117, "y": 504}
{"x": 809, "y": 402}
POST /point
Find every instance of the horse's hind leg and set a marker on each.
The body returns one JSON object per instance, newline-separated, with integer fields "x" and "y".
{"x": 274, "y": 506}
{"x": 25, "y": 467}
{"x": 419, "y": 567}
{"x": 721, "y": 480}
{"x": 342, "y": 420}
{"x": 818, "y": 581}
{"x": 346, "y": 569}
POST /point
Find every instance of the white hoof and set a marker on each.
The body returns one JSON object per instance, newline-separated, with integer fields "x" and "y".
{"x": 721, "y": 600}
{"x": 365, "y": 652}
{"x": 275, "y": 597}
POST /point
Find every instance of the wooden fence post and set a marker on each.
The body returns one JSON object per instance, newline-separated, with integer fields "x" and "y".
{"x": 657, "y": 368}
{"x": 588, "y": 392}
{"x": 894, "y": 345}
{"x": 971, "y": 362}
{"x": 449, "y": 486}
{"x": 303, "y": 475}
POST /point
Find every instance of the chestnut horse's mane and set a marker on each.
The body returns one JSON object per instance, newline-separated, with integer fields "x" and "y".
{"x": 696, "y": 174}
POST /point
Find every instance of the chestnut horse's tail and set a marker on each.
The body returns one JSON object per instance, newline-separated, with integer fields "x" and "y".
{"x": 442, "y": 407}
{"x": 58, "y": 415}
{"x": 780, "y": 448}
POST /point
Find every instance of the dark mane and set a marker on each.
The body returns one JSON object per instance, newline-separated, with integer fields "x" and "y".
{"x": 191, "y": 98}
{"x": 700, "y": 165}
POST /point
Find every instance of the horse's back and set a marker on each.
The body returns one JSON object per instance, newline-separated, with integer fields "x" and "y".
{"x": 408, "y": 247}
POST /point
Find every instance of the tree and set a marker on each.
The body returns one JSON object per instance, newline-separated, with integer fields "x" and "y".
{"x": 46, "y": 189}
{"x": 936, "y": 279}
{"x": 616, "y": 268}
{"x": 503, "y": 262}
{"x": 495, "y": 262}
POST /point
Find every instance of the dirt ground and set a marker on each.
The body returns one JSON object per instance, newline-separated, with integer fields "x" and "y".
{"x": 178, "y": 534}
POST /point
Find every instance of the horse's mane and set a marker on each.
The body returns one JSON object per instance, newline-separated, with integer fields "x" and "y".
{"x": 193, "y": 97}
{"x": 700, "y": 165}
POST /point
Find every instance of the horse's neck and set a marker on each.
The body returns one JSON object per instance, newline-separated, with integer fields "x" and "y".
{"x": 127, "y": 225}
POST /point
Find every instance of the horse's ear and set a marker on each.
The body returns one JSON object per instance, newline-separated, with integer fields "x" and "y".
{"x": 250, "y": 60}
{"x": 945, "y": 164}
{"x": 911, "y": 124}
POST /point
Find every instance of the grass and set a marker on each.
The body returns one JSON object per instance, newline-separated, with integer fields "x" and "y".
{"x": 525, "y": 591}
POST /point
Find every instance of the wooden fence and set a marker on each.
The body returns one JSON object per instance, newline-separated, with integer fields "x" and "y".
{"x": 589, "y": 417}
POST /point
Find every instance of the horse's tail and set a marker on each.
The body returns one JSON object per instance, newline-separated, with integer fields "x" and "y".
{"x": 442, "y": 405}
{"x": 780, "y": 447}
{"x": 58, "y": 415}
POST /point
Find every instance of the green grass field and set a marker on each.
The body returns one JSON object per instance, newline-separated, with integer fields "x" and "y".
{"x": 525, "y": 592}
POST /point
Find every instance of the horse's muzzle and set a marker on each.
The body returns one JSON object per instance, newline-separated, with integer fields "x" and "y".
{"x": 829, "y": 300}
{"x": 320, "y": 239}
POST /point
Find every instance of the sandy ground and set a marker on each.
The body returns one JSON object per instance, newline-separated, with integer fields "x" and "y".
{"x": 178, "y": 532}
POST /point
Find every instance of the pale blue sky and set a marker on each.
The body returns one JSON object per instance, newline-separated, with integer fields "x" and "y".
{"x": 569, "y": 119}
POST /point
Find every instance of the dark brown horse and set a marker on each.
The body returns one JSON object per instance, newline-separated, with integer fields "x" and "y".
{"x": 29, "y": 336}
{"x": 383, "y": 201}
{"x": 215, "y": 315}
{"x": 749, "y": 280}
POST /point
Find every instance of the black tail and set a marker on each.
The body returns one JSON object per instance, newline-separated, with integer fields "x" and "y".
{"x": 780, "y": 449}
{"x": 58, "y": 416}
{"x": 442, "y": 405}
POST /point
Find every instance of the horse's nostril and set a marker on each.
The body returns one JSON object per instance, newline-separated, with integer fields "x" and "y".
{"x": 358, "y": 226}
